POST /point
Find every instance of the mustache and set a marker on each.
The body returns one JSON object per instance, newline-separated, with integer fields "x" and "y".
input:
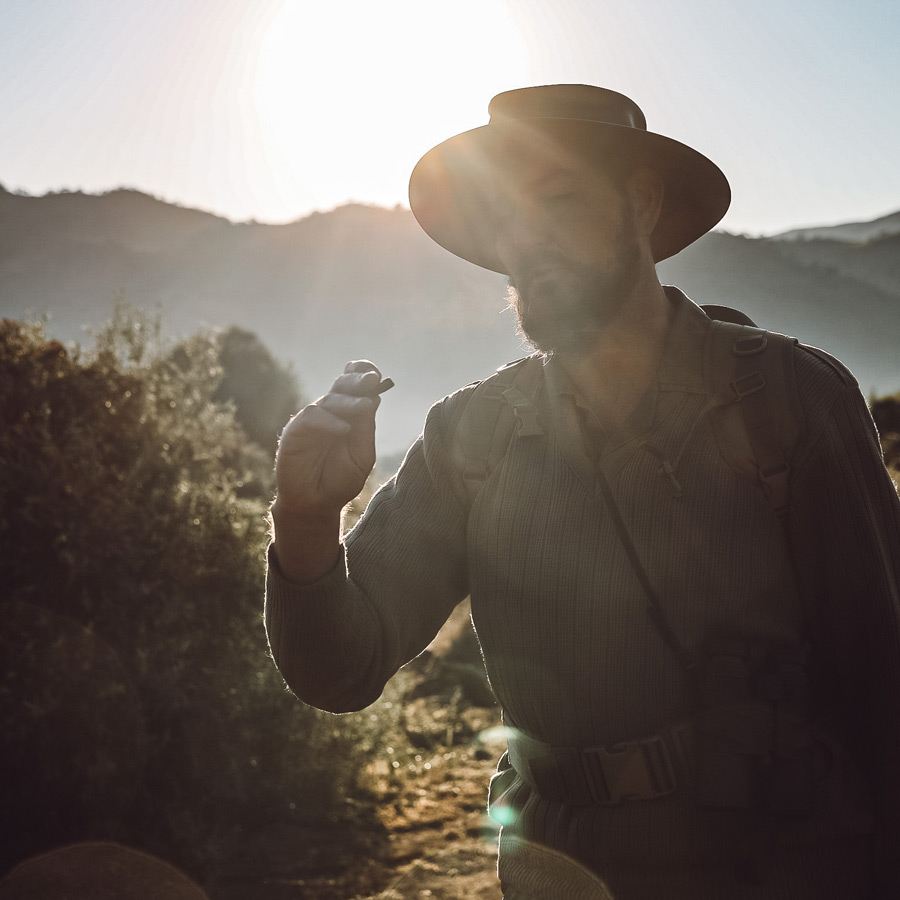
{"x": 530, "y": 268}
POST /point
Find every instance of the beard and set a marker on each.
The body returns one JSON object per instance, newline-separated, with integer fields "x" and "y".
{"x": 560, "y": 307}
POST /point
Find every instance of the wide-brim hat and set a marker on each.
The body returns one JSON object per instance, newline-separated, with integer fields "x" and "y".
{"x": 452, "y": 187}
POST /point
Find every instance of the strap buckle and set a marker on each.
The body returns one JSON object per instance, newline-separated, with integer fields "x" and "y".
{"x": 748, "y": 384}
{"x": 632, "y": 770}
{"x": 640, "y": 770}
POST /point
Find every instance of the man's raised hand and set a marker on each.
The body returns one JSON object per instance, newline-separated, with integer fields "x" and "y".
{"x": 327, "y": 450}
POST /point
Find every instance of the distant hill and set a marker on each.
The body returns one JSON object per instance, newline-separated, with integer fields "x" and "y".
{"x": 358, "y": 282}
{"x": 846, "y": 301}
{"x": 364, "y": 281}
{"x": 849, "y": 231}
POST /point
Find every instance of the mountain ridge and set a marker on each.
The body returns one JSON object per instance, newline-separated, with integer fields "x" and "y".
{"x": 883, "y": 226}
{"x": 364, "y": 281}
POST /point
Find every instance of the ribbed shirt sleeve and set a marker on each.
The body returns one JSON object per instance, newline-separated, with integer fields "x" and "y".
{"x": 403, "y": 569}
{"x": 845, "y": 535}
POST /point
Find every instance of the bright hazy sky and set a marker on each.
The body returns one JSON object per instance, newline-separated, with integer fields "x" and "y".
{"x": 269, "y": 109}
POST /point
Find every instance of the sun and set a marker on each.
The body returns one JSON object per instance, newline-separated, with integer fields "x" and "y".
{"x": 348, "y": 94}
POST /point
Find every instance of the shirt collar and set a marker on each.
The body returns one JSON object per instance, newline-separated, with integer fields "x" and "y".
{"x": 680, "y": 368}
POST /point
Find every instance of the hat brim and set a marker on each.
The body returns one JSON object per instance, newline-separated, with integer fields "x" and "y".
{"x": 451, "y": 188}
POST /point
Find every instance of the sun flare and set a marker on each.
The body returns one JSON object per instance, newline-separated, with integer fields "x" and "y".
{"x": 350, "y": 93}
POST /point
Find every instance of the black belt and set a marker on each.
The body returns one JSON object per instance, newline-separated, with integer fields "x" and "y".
{"x": 642, "y": 770}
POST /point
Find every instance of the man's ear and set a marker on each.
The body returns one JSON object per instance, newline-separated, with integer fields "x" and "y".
{"x": 645, "y": 190}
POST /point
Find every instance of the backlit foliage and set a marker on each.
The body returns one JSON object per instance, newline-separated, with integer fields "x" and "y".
{"x": 132, "y": 539}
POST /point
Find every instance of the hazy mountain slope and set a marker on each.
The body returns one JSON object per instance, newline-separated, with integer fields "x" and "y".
{"x": 366, "y": 282}
{"x": 849, "y": 231}
{"x": 875, "y": 261}
{"x": 853, "y": 319}
{"x": 130, "y": 218}
{"x": 356, "y": 282}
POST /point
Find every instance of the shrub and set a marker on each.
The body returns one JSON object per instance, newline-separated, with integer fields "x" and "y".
{"x": 132, "y": 537}
{"x": 264, "y": 392}
{"x": 886, "y": 413}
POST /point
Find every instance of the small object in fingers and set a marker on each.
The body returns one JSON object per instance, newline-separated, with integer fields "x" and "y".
{"x": 385, "y": 385}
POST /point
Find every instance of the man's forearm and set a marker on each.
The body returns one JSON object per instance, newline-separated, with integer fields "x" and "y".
{"x": 306, "y": 546}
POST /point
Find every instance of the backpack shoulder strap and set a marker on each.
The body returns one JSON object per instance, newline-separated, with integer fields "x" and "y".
{"x": 498, "y": 408}
{"x": 758, "y": 421}
{"x": 757, "y": 418}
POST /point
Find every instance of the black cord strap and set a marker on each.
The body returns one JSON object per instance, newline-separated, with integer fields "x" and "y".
{"x": 685, "y": 656}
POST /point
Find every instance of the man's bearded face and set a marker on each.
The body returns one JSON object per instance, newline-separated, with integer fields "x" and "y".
{"x": 561, "y": 306}
{"x": 568, "y": 238}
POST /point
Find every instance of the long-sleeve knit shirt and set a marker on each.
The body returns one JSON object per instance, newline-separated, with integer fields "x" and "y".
{"x": 570, "y": 651}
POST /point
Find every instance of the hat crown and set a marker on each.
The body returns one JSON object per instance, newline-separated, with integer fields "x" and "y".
{"x": 567, "y": 101}
{"x": 452, "y": 188}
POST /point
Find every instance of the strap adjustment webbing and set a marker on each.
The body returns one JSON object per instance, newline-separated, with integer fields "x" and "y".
{"x": 501, "y": 408}
{"x": 642, "y": 769}
{"x": 762, "y": 428}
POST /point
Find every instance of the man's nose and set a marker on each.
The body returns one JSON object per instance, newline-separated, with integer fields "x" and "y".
{"x": 523, "y": 232}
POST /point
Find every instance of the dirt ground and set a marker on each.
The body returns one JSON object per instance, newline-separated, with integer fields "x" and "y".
{"x": 439, "y": 843}
{"x": 442, "y": 843}
{"x": 435, "y": 840}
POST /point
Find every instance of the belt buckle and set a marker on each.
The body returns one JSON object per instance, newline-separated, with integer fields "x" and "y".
{"x": 636, "y": 770}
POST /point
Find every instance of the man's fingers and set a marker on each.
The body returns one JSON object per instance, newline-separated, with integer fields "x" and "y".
{"x": 351, "y": 403}
{"x": 333, "y": 415}
{"x": 312, "y": 427}
{"x": 347, "y": 406}
{"x": 358, "y": 384}
{"x": 361, "y": 366}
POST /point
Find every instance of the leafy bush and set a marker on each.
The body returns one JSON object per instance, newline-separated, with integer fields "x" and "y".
{"x": 264, "y": 392}
{"x": 132, "y": 537}
{"x": 886, "y": 413}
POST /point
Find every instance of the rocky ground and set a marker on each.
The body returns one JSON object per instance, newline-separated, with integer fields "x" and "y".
{"x": 433, "y": 838}
{"x": 442, "y": 844}
{"x": 437, "y": 843}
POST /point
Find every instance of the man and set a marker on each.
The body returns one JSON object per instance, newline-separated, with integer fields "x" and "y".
{"x": 697, "y": 655}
